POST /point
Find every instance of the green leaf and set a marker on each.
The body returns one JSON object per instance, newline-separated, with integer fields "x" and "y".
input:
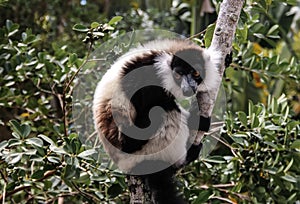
{"x": 80, "y": 28}
{"x": 240, "y": 138}
{"x": 11, "y": 186}
{"x": 243, "y": 118}
{"x": 14, "y": 158}
{"x": 31, "y": 39}
{"x": 259, "y": 35}
{"x": 215, "y": 159}
{"x": 53, "y": 159}
{"x": 83, "y": 178}
{"x": 85, "y": 154}
{"x": 69, "y": 172}
{"x": 35, "y": 141}
{"x": 261, "y": 190}
{"x": 15, "y": 126}
{"x": 209, "y": 34}
{"x": 58, "y": 150}
{"x": 242, "y": 33}
{"x": 25, "y": 130}
{"x": 288, "y": 166}
{"x": 30, "y": 152}
{"x": 292, "y": 2}
{"x": 296, "y": 145}
{"x": 9, "y": 23}
{"x": 202, "y": 197}
{"x": 115, "y": 19}
{"x": 47, "y": 139}
{"x": 272, "y": 144}
{"x": 292, "y": 198}
{"x": 95, "y": 24}
{"x": 254, "y": 121}
{"x": 98, "y": 34}
{"x": 291, "y": 125}
{"x": 3, "y": 144}
{"x": 289, "y": 178}
{"x": 269, "y": 2}
{"x": 11, "y": 27}
{"x": 14, "y": 142}
{"x": 22, "y": 131}
{"x": 41, "y": 151}
{"x": 14, "y": 29}
{"x": 38, "y": 174}
{"x": 115, "y": 190}
{"x": 72, "y": 58}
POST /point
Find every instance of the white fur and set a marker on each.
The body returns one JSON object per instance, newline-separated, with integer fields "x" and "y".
{"x": 212, "y": 64}
{"x": 163, "y": 69}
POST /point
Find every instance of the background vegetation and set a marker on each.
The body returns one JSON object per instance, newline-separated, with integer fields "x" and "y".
{"x": 43, "y": 160}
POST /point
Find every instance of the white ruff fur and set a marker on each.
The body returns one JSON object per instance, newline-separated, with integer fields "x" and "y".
{"x": 162, "y": 66}
{"x": 212, "y": 63}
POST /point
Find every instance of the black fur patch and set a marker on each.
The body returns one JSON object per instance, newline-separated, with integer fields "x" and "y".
{"x": 197, "y": 122}
{"x": 190, "y": 60}
{"x": 193, "y": 153}
{"x": 204, "y": 123}
{"x": 143, "y": 87}
{"x": 228, "y": 60}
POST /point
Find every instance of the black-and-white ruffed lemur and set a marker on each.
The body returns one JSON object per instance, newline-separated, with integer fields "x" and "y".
{"x": 142, "y": 127}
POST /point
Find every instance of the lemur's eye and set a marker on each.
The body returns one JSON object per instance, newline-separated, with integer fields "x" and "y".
{"x": 177, "y": 75}
{"x": 196, "y": 74}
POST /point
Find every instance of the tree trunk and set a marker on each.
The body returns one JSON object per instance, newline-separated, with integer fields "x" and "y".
{"x": 222, "y": 42}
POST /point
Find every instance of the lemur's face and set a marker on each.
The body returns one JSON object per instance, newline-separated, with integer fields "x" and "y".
{"x": 188, "y": 70}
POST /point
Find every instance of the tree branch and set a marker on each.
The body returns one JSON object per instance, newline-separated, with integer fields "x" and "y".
{"x": 221, "y": 42}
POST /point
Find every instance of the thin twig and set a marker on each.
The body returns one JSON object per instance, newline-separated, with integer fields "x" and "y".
{"x": 3, "y": 176}
{"x": 227, "y": 185}
{"x": 96, "y": 60}
{"x": 223, "y": 199}
{"x": 8, "y": 194}
{"x": 22, "y": 188}
{"x": 61, "y": 195}
{"x": 67, "y": 86}
{"x": 86, "y": 195}
{"x": 224, "y": 143}
{"x": 196, "y": 35}
{"x": 221, "y": 186}
{"x": 79, "y": 69}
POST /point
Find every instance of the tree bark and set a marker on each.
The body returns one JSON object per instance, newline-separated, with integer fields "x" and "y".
{"x": 139, "y": 193}
{"x": 222, "y": 42}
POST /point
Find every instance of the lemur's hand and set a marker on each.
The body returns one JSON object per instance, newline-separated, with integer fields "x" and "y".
{"x": 196, "y": 121}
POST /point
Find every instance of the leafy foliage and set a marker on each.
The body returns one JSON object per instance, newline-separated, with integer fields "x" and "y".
{"x": 62, "y": 168}
{"x": 43, "y": 160}
{"x": 261, "y": 158}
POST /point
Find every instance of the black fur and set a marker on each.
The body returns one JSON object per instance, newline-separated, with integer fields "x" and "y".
{"x": 228, "y": 60}
{"x": 193, "y": 153}
{"x": 189, "y": 61}
{"x": 196, "y": 121}
{"x": 137, "y": 74}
